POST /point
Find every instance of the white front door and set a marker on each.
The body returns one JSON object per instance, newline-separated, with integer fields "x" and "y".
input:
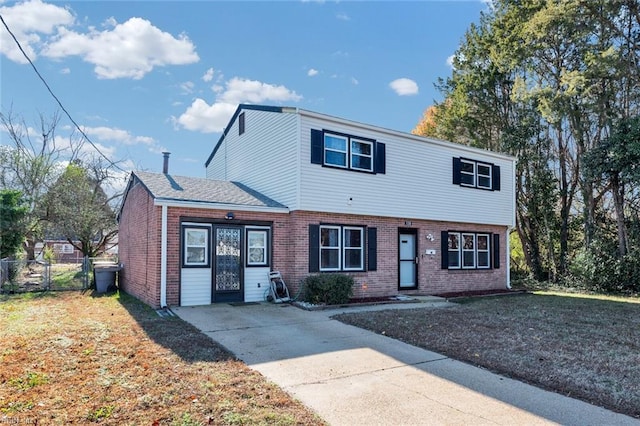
{"x": 408, "y": 261}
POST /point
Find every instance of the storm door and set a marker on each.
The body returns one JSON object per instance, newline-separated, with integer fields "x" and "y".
{"x": 227, "y": 262}
{"x": 408, "y": 260}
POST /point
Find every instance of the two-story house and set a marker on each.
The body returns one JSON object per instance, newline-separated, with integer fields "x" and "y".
{"x": 301, "y": 192}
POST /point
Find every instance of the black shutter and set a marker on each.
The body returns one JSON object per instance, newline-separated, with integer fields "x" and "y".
{"x": 456, "y": 170}
{"x": 314, "y": 248}
{"x": 496, "y": 251}
{"x": 372, "y": 249}
{"x": 444, "y": 249}
{"x": 495, "y": 177}
{"x": 317, "y": 146}
{"x": 380, "y": 158}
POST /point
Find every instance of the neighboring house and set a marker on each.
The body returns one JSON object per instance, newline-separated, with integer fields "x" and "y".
{"x": 63, "y": 251}
{"x": 304, "y": 193}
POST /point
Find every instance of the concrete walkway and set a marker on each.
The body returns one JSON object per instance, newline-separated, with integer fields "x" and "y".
{"x": 351, "y": 376}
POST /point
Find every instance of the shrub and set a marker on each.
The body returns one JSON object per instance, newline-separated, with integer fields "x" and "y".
{"x": 329, "y": 289}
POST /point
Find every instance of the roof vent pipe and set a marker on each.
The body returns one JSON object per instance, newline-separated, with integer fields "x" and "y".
{"x": 165, "y": 165}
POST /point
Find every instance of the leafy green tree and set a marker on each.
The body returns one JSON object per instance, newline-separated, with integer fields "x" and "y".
{"x": 12, "y": 225}
{"x": 79, "y": 209}
{"x": 546, "y": 81}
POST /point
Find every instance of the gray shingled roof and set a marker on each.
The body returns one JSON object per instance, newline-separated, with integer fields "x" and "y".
{"x": 182, "y": 188}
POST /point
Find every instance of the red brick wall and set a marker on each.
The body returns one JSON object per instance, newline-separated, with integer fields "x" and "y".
{"x": 139, "y": 246}
{"x": 140, "y": 227}
{"x": 384, "y": 281}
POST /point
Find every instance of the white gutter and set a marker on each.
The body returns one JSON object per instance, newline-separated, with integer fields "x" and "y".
{"x": 218, "y": 206}
{"x": 163, "y": 260}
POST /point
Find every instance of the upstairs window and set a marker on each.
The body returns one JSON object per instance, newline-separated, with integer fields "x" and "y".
{"x": 476, "y": 174}
{"x": 361, "y": 155}
{"x": 241, "y": 124}
{"x": 334, "y": 149}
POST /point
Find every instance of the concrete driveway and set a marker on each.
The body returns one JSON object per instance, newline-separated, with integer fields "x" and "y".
{"x": 351, "y": 376}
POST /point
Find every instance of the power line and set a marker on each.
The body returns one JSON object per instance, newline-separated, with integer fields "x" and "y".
{"x": 58, "y": 100}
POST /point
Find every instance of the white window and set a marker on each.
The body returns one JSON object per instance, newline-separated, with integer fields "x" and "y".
{"x": 353, "y": 259}
{"x": 453, "y": 244}
{"x": 341, "y": 248}
{"x": 361, "y": 155}
{"x": 67, "y": 249}
{"x": 484, "y": 175}
{"x": 335, "y": 150}
{"x": 467, "y": 173}
{"x": 330, "y": 245}
{"x": 257, "y": 247}
{"x": 482, "y": 242}
{"x": 468, "y": 250}
{"x": 196, "y": 247}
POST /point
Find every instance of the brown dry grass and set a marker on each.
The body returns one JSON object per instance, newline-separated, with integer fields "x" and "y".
{"x": 71, "y": 358}
{"x": 585, "y": 348}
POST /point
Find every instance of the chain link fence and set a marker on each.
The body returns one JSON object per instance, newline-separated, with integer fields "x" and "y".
{"x": 20, "y": 276}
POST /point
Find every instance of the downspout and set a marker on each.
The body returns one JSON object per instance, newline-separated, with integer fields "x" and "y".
{"x": 163, "y": 259}
{"x": 508, "y": 258}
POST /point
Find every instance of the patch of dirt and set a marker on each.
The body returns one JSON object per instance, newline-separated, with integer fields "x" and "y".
{"x": 584, "y": 348}
{"x": 72, "y": 358}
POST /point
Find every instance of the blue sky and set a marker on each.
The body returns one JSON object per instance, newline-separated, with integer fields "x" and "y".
{"x": 148, "y": 76}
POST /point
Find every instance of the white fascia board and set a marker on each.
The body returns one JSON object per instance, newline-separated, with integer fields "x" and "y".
{"x": 396, "y": 133}
{"x": 219, "y": 206}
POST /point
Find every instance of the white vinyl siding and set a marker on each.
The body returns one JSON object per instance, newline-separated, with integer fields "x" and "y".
{"x": 256, "y": 284}
{"x": 195, "y": 288}
{"x": 417, "y": 183}
{"x": 264, "y": 157}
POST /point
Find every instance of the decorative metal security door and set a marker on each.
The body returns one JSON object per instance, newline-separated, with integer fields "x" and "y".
{"x": 228, "y": 265}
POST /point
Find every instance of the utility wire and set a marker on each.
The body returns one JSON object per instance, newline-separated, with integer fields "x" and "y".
{"x": 58, "y": 100}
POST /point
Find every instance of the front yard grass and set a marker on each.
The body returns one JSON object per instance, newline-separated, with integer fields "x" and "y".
{"x": 583, "y": 347}
{"x": 71, "y": 358}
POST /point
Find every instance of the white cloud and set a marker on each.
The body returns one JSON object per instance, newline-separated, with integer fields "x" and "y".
{"x": 65, "y": 71}
{"x": 208, "y": 76}
{"x": 187, "y": 87}
{"x": 128, "y": 50}
{"x": 450, "y": 61}
{"x": 205, "y": 118}
{"x": 343, "y": 17}
{"x": 112, "y": 134}
{"x": 312, "y": 72}
{"x": 28, "y": 20}
{"x": 354, "y": 81}
{"x": 404, "y": 87}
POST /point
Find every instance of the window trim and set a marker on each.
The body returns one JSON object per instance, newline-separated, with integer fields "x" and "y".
{"x": 248, "y": 247}
{"x": 461, "y": 250}
{"x": 345, "y": 248}
{"x": 472, "y": 174}
{"x": 487, "y": 250}
{"x": 341, "y": 248}
{"x": 352, "y": 154}
{"x": 489, "y": 176}
{"x": 338, "y": 248}
{"x": 185, "y": 247}
{"x": 492, "y": 176}
{"x": 349, "y": 140}
{"x": 345, "y": 152}
{"x": 464, "y": 250}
